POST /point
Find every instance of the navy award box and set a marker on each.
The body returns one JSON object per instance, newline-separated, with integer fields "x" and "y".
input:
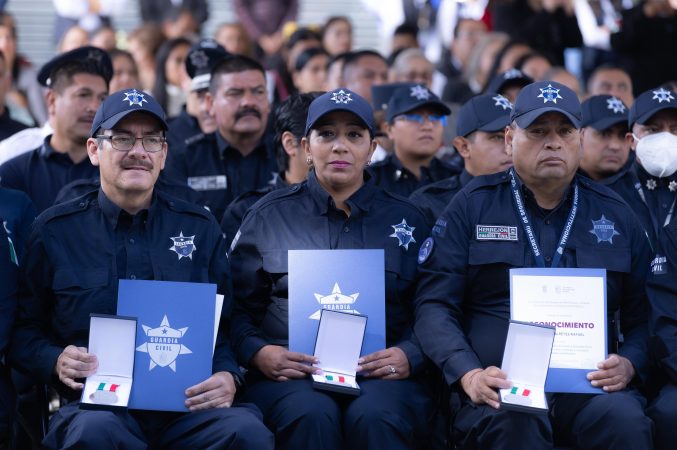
{"x": 349, "y": 281}
{"x": 174, "y": 339}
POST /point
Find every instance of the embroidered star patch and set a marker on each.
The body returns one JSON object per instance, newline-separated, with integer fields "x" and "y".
{"x": 662, "y": 95}
{"x": 604, "y": 230}
{"x": 199, "y": 59}
{"x": 404, "y": 234}
{"x": 651, "y": 184}
{"x": 672, "y": 186}
{"x": 341, "y": 97}
{"x": 134, "y": 97}
{"x": 502, "y": 102}
{"x": 549, "y": 94}
{"x": 419, "y": 92}
{"x": 615, "y": 105}
{"x": 183, "y": 246}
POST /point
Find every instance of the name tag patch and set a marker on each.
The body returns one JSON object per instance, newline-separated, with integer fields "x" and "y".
{"x": 495, "y": 233}
{"x": 659, "y": 265}
{"x": 208, "y": 183}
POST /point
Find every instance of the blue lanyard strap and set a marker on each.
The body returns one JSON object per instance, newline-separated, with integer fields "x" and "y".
{"x": 528, "y": 229}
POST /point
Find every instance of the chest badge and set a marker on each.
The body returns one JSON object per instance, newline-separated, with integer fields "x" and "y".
{"x": 183, "y": 245}
{"x": 404, "y": 234}
{"x": 604, "y": 230}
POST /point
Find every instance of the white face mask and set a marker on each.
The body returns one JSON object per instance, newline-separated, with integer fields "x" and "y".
{"x": 658, "y": 153}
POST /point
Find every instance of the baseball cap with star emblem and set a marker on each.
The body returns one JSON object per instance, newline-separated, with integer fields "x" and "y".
{"x": 545, "y": 96}
{"x": 603, "y": 111}
{"x": 119, "y": 104}
{"x": 201, "y": 59}
{"x": 488, "y": 112}
{"x": 92, "y": 58}
{"x": 341, "y": 99}
{"x": 649, "y": 103}
{"x": 409, "y": 98}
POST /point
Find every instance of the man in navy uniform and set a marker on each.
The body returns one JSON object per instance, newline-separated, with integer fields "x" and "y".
{"x": 238, "y": 157}
{"x": 416, "y": 119}
{"x": 662, "y": 292}
{"x": 77, "y": 83}
{"x": 480, "y": 136}
{"x": 8, "y": 284}
{"x": 463, "y": 294}
{"x": 75, "y": 256}
{"x": 607, "y": 156}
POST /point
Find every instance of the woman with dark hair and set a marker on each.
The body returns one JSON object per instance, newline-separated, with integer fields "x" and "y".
{"x": 170, "y": 74}
{"x": 310, "y": 71}
{"x": 337, "y": 207}
{"x": 337, "y": 35}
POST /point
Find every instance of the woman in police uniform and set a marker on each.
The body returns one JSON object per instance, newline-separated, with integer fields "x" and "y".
{"x": 338, "y": 207}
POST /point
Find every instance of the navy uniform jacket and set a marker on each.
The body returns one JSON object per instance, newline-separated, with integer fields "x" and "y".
{"x": 8, "y": 282}
{"x": 392, "y": 176}
{"x": 41, "y": 173}
{"x": 9, "y": 126}
{"x": 218, "y": 171}
{"x": 660, "y": 198}
{"x": 18, "y": 214}
{"x": 625, "y": 183}
{"x": 433, "y": 198}
{"x": 303, "y": 217}
{"x": 182, "y": 127}
{"x": 79, "y": 250}
{"x": 232, "y": 218}
{"x": 662, "y": 292}
{"x": 463, "y": 295}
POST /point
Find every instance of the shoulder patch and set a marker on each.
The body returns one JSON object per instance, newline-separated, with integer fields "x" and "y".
{"x": 495, "y": 233}
{"x": 439, "y": 227}
{"x": 659, "y": 265}
{"x": 426, "y": 250}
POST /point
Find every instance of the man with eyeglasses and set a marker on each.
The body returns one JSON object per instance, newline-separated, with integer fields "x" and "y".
{"x": 76, "y": 254}
{"x": 416, "y": 119}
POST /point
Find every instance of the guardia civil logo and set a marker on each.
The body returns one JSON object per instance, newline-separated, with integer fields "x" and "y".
{"x": 404, "y": 234}
{"x": 604, "y": 230}
{"x": 163, "y": 344}
{"x": 183, "y": 245}
{"x": 336, "y": 301}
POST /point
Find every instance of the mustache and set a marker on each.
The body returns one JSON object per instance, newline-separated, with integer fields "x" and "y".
{"x": 247, "y": 111}
{"x": 127, "y": 163}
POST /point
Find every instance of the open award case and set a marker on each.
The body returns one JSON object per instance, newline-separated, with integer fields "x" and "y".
{"x": 337, "y": 347}
{"x": 525, "y": 360}
{"x": 113, "y": 340}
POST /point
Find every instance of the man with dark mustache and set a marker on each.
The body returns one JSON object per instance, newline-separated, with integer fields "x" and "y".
{"x": 77, "y": 83}
{"x": 239, "y": 157}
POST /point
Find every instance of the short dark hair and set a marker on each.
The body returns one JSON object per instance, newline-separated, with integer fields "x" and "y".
{"x": 301, "y": 35}
{"x": 233, "y": 64}
{"x": 406, "y": 28}
{"x": 352, "y": 59}
{"x": 62, "y": 76}
{"x": 306, "y": 55}
{"x": 290, "y": 116}
{"x": 606, "y": 67}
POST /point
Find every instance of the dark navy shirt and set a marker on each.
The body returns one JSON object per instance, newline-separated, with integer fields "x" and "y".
{"x": 220, "y": 172}
{"x": 9, "y": 126}
{"x": 433, "y": 198}
{"x": 662, "y": 292}
{"x": 661, "y": 196}
{"x": 181, "y": 128}
{"x": 79, "y": 250}
{"x": 18, "y": 214}
{"x": 8, "y": 283}
{"x": 41, "y": 173}
{"x": 463, "y": 294}
{"x": 303, "y": 216}
{"x": 392, "y": 176}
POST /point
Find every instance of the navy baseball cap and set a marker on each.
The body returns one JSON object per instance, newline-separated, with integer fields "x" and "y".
{"x": 512, "y": 77}
{"x": 488, "y": 112}
{"x": 541, "y": 97}
{"x": 408, "y": 98}
{"x": 93, "y": 57}
{"x": 340, "y": 99}
{"x": 200, "y": 61}
{"x": 119, "y": 104}
{"x": 603, "y": 111}
{"x": 649, "y": 103}
{"x": 381, "y": 94}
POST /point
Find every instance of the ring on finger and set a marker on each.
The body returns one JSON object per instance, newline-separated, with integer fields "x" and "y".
{"x": 392, "y": 369}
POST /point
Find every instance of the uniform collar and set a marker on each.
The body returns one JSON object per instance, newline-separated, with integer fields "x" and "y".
{"x": 359, "y": 202}
{"x": 628, "y": 166}
{"x": 530, "y": 199}
{"x": 651, "y": 182}
{"x": 465, "y": 177}
{"x": 224, "y": 145}
{"x": 112, "y": 212}
{"x": 47, "y": 150}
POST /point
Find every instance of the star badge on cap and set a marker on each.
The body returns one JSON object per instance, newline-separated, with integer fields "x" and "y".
{"x": 199, "y": 59}
{"x": 134, "y": 97}
{"x": 662, "y": 95}
{"x": 512, "y": 73}
{"x": 615, "y": 105}
{"x": 419, "y": 92}
{"x": 95, "y": 56}
{"x": 549, "y": 94}
{"x": 341, "y": 97}
{"x": 502, "y": 102}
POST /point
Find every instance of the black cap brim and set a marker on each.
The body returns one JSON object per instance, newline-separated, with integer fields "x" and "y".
{"x": 497, "y": 124}
{"x": 113, "y": 120}
{"x": 528, "y": 118}
{"x": 606, "y": 122}
{"x": 433, "y": 104}
{"x": 309, "y": 126}
{"x": 647, "y": 115}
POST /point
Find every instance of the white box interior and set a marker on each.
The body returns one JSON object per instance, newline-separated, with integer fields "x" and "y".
{"x": 338, "y": 344}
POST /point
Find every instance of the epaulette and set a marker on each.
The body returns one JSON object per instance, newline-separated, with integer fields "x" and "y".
{"x": 67, "y": 208}
{"x": 182, "y": 206}
{"x": 404, "y": 201}
{"x": 277, "y": 194}
{"x": 445, "y": 185}
{"x": 483, "y": 181}
{"x": 599, "y": 189}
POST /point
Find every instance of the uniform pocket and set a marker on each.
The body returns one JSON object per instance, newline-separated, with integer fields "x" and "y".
{"x": 496, "y": 252}
{"x": 612, "y": 259}
{"x": 83, "y": 278}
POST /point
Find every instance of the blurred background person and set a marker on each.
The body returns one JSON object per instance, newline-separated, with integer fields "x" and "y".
{"x": 86, "y": 14}
{"x": 233, "y": 37}
{"x": 8, "y": 126}
{"x": 405, "y": 36}
{"x": 156, "y": 11}
{"x": 563, "y": 76}
{"x": 125, "y": 72}
{"x": 73, "y": 38}
{"x": 264, "y": 19}
{"x": 508, "y": 84}
{"x": 310, "y": 74}
{"x": 335, "y": 72}
{"x": 534, "y": 65}
{"x": 337, "y": 35}
{"x": 143, "y": 42}
{"x": 104, "y": 38}
{"x": 363, "y": 69}
{"x": 170, "y": 74}
{"x": 411, "y": 66}
{"x": 611, "y": 80}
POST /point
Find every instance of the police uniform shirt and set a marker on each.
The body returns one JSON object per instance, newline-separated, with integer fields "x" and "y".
{"x": 42, "y": 172}
{"x": 18, "y": 214}
{"x": 79, "y": 250}
{"x": 9, "y": 126}
{"x": 182, "y": 127}
{"x": 463, "y": 294}
{"x": 433, "y": 198}
{"x": 626, "y": 184}
{"x": 392, "y": 176}
{"x": 8, "y": 284}
{"x": 660, "y": 195}
{"x": 220, "y": 172}
{"x": 303, "y": 216}
{"x": 232, "y": 218}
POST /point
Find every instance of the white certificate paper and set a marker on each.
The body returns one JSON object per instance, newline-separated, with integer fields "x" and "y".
{"x": 573, "y": 301}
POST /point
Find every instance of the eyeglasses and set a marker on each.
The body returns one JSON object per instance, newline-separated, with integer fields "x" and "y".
{"x": 125, "y": 142}
{"x": 420, "y": 119}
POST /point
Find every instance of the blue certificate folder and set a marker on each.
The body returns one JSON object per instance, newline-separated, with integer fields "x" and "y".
{"x": 174, "y": 339}
{"x": 563, "y": 379}
{"x": 350, "y": 281}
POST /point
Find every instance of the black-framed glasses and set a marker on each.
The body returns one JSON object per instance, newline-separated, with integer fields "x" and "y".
{"x": 125, "y": 142}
